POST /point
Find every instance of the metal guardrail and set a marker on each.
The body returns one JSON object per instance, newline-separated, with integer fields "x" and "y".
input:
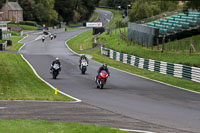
{"x": 6, "y": 35}
{"x": 176, "y": 70}
{"x": 3, "y": 45}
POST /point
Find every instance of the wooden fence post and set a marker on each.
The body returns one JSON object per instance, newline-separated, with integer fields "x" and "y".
{"x": 130, "y": 41}
{"x": 157, "y": 42}
{"x": 163, "y": 47}
{"x": 142, "y": 42}
{"x": 183, "y": 43}
{"x": 176, "y": 45}
{"x": 169, "y": 46}
{"x": 192, "y": 48}
{"x": 199, "y": 45}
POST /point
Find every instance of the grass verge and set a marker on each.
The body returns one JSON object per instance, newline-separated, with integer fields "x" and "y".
{"x": 83, "y": 42}
{"x": 95, "y": 16}
{"x": 190, "y": 85}
{"x": 15, "y": 45}
{"x": 18, "y": 82}
{"x": 29, "y": 126}
{"x": 24, "y": 27}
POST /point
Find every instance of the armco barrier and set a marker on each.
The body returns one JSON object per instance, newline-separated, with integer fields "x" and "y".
{"x": 6, "y": 35}
{"x": 176, "y": 70}
{"x": 3, "y": 45}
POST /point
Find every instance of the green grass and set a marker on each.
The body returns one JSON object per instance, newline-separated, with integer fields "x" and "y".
{"x": 190, "y": 85}
{"x": 24, "y": 27}
{"x": 95, "y": 16}
{"x": 116, "y": 16}
{"x": 148, "y": 53}
{"x": 12, "y": 33}
{"x": 18, "y": 82}
{"x": 29, "y": 126}
{"x": 2, "y": 41}
{"x": 15, "y": 45}
{"x": 83, "y": 42}
{"x": 195, "y": 41}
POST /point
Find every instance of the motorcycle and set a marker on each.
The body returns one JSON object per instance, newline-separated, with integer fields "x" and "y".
{"x": 101, "y": 79}
{"x": 83, "y": 66}
{"x": 54, "y": 35}
{"x": 55, "y": 70}
{"x": 43, "y": 39}
{"x": 51, "y": 36}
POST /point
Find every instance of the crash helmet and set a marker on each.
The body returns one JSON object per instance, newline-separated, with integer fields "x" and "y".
{"x": 83, "y": 56}
{"x": 104, "y": 65}
{"x": 57, "y": 59}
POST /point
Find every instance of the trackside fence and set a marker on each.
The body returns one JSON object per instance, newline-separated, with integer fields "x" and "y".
{"x": 176, "y": 70}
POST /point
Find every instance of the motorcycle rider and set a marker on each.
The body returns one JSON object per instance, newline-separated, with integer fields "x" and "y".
{"x": 43, "y": 39}
{"x": 56, "y": 62}
{"x": 54, "y": 35}
{"x": 51, "y": 36}
{"x": 83, "y": 57}
{"x": 103, "y": 67}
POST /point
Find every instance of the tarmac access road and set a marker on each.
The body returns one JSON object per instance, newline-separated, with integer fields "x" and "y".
{"x": 127, "y": 101}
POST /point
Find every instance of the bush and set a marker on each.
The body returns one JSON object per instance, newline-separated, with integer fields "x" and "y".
{"x": 31, "y": 23}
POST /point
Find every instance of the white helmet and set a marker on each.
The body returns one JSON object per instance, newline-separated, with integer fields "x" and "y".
{"x": 57, "y": 58}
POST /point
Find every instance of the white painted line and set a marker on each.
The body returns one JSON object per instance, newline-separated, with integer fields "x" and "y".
{"x": 77, "y": 100}
{"x": 108, "y": 20}
{"x": 135, "y": 74}
{"x": 38, "y": 101}
{"x": 3, "y": 107}
{"x": 39, "y": 37}
{"x": 136, "y": 131}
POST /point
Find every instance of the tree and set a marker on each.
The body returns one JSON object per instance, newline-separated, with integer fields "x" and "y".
{"x": 195, "y": 5}
{"x": 140, "y": 10}
{"x": 65, "y": 8}
{"x": 29, "y": 7}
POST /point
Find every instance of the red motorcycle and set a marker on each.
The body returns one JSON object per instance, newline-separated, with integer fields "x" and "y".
{"x": 101, "y": 79}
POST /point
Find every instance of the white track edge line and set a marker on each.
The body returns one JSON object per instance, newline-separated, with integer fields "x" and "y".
{"x": 137, "y": 131}
{"x": 77, "y": 100}
{"x": 3, "y": 107}
{"x": 37, "y": 101}
{"x": 134, "y": 74}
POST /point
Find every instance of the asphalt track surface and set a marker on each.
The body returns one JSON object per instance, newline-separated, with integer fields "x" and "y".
{"x": 127, "y": 101}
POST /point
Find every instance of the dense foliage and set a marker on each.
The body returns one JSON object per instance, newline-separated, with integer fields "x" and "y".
{"x": 143, "y": 8}
{"x": 55, "y": 11}
{"x": 115, "y": 3}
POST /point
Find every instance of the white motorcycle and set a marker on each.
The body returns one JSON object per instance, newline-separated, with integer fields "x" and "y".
{"x": 83, "y": 66}
{"x": 55, "y": 70}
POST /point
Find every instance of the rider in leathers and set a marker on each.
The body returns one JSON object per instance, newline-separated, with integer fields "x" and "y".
{"x": 56, "y": 62}
{"x": 83, "y": 57}
{"x": 103, "y": 67}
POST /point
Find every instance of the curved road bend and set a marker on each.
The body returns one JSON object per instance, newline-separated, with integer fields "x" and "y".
{"x": 137, "y": 98}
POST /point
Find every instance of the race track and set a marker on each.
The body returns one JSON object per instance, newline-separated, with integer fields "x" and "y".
{"x": 169, "y": 108}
